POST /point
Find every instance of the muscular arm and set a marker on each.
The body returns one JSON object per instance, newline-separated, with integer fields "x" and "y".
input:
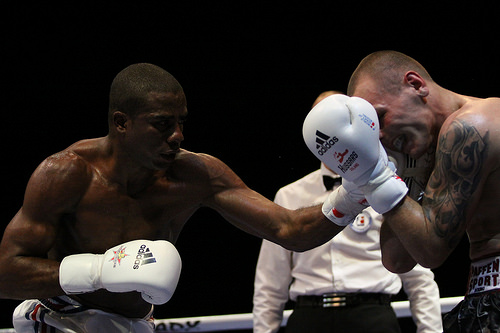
{"x": 430, "y": 232}
{"x": 394, "y": 255}
{"x": 296, "y": 230}
{"x": 25, "y": 269}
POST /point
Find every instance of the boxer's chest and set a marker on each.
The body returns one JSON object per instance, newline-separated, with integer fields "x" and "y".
{"x": 108, "y": 215}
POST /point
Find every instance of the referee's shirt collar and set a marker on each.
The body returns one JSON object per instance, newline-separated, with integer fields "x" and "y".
{"x": 328, "y": 183}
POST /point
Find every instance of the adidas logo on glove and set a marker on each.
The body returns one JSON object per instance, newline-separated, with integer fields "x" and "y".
{"x": 87, "y": 272}
{"x": 351, "y": 125}
{"x": 144, "y": 257}
{"x": 324, "y": 142}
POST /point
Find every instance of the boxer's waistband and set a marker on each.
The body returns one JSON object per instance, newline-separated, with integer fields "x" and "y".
{"x": 484, "y": 275}
{"x": 343, "y": 299}
{"x": 63, "y": 304}
{"x": 67, "y": 305}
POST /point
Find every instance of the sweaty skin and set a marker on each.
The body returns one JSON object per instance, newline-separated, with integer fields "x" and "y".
{"x": 135, "y": 183}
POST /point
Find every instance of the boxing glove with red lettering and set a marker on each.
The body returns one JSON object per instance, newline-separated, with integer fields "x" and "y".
{"x": 149, "y": 267}
{"x": 344, "y": 204}
{"x": 343, "y": 132}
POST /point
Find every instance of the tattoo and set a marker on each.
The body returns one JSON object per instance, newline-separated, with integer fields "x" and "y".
{"x": 461, "y": 153}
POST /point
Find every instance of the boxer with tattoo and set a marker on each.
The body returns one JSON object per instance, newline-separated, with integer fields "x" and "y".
{"x": 415, "y": 116}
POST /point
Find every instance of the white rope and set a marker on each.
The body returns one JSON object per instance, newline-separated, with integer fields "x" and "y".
{"x": 244, "y": 321}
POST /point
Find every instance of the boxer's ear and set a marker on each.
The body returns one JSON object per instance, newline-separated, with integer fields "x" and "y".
{"x": 417, "y": 82}
{"x": 120, "y": 121}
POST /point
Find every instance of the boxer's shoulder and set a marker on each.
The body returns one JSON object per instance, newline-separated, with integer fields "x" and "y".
{"x": 63, "y": 167}
{"x": 198, "y": 167}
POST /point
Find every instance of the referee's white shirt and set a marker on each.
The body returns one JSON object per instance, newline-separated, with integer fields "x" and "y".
{"x": 350, "y": 262}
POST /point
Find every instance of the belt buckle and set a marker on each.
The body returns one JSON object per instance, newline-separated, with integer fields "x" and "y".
{"x": 334, "y": 300}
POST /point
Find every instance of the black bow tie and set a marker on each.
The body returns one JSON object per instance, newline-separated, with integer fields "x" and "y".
{"x": 330, "y": 182}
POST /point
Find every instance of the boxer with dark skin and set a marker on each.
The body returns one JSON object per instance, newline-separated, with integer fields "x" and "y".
{"x": 134, "y": 183}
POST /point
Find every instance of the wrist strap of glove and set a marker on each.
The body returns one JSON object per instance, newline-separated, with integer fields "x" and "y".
{"x": 384, "y": 191}
{"x": 341, "y": 208}
{"x": 80, "y": 273}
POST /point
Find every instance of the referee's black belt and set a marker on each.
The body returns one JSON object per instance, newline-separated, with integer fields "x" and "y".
{"x": 342, "y": 299}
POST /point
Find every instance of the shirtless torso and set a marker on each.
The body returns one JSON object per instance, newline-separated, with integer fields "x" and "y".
{"x": 134, "y": 183}
{"x": 92, "y": 211}
{"x": 462, "y": 190}
{"x": 86, "y": 210}
{"x": 468, "y": 172}
{"x": 107, "y": 214}
{"x": 417, "y": 115}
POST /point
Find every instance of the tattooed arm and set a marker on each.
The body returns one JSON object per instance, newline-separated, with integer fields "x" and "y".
{"x": 430, "y": 232}
{"x": 462, "y": 152}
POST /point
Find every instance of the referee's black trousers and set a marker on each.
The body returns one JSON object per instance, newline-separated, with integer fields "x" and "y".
{"x": 362, "y": 318}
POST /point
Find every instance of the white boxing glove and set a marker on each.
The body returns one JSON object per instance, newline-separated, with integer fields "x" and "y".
{"x": 344, "y": 204}
{"x": 343, "y": 132}
{"x": 150, "y": 267}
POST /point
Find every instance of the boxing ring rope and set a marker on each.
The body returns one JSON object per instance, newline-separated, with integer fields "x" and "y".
{"x": 244, "y": 321}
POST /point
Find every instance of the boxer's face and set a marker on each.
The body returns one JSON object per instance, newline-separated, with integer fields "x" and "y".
{"x": 154, "y": 135}
{"x": 404, "y": 124}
